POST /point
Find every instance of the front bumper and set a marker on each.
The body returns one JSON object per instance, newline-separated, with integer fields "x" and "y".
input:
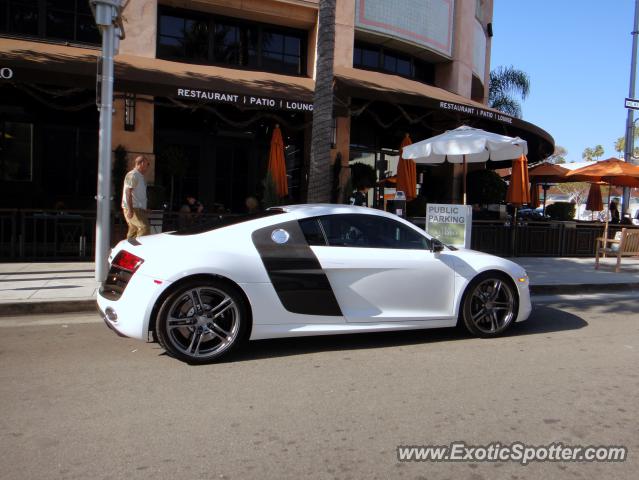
{"x": 525, "y": 305}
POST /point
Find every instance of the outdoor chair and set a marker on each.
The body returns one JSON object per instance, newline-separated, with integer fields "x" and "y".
{"x": 625, "y": 244}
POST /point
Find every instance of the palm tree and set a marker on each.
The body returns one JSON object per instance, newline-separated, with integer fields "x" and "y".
{"x": 598, "y": 152}
{"x": 505, "y": 84}
{"x": 620, "y": 145}
{"x": 558, "y": 156}
{"x": 319, "y": 175}
{"x": 588, "y": 154}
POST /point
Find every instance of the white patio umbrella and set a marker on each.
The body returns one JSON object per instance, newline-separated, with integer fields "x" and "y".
{"x": 466, "y": 145}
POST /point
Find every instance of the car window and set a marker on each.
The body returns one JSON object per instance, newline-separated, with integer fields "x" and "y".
{"x": 371, "y": 231}
{"x": 313, "y": 232}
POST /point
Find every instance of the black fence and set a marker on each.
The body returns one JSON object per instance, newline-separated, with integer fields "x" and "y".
{"x": 536, "y": 239}
{"x": 43, "y": 235}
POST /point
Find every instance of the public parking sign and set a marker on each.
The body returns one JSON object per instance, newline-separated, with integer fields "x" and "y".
{"x": 632, "y": 103}
{"x": 451, "y": 224}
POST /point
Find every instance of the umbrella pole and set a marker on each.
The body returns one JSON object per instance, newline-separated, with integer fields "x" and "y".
{"x": 545, "y": 189}
{"x": 464, "y": 180}
{"x": 605, "y": 235}
{"x": 513, "y": 235}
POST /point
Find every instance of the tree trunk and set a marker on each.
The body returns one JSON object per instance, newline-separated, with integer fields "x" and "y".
{"x": 319, "y": 178}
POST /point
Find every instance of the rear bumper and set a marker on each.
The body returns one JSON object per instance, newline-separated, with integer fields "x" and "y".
{"x": 132, "y": 311}
{"x": 108, "y": 323}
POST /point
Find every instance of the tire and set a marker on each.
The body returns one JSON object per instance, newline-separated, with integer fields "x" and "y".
{"x": 202, "y": 320}
{"x": 490, "y": 305}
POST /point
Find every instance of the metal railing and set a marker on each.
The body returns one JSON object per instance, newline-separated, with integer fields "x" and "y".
{"x": 539, "y": 239}
{"x": 43, "y": 235}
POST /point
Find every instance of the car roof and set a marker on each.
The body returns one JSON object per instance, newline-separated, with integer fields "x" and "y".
{"x": 320, "y": 209}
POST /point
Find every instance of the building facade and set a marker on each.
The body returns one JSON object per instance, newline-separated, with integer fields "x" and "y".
{"x": 200, "y": 85}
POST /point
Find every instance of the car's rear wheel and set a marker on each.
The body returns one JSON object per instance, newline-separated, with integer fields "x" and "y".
{"x": 490, "y": 305}
{"x": 202, "y": 320}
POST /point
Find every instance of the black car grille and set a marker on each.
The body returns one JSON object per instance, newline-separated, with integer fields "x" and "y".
{"x": 116, "y": 281}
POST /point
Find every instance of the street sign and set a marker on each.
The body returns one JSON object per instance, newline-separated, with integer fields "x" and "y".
{"x": 632, "y": 103}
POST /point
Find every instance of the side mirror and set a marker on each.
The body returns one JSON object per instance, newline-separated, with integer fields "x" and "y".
{"x": 436, "y": 246}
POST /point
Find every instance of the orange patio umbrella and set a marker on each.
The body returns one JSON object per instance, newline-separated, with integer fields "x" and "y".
{"x": 390, "y": 182}
{"x": 594, "y": 202}
{"x": 543, "y": 174}
{"x": 277, "y": 164}
{"x": 534, "y": 195}
{"x": 518, "y": 190}
{"x": 547, "y": 172}
{"x": 611, "y": 171}
{"x": 406, "y": 172}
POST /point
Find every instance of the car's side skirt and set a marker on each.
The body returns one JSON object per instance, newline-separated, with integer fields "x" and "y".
{"x": 260, "y": 332}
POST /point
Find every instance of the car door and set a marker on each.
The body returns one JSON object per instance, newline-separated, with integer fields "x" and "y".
{"x": 381, "y": 269}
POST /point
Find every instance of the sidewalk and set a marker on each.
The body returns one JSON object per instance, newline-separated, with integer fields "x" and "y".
{"x": 32, "y": 288}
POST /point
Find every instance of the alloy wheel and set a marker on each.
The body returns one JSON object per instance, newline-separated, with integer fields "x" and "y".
{"x": 202, "y": 322}
{"x": 492, "y": 306}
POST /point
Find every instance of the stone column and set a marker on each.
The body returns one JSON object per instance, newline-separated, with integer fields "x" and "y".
{"x": 140, "y": 26}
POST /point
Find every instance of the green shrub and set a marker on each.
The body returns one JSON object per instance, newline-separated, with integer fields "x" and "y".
{"x": 484, "y": 187}
{"x": 561, "y": 211}
{"x": 362, "y": 176}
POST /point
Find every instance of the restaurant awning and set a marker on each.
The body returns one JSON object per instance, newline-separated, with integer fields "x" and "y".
{"x": 394, "y": 89}
{"x": 55, "y": 64}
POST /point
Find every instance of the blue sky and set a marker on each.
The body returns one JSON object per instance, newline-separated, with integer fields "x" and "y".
{"x": 577, "y": 54}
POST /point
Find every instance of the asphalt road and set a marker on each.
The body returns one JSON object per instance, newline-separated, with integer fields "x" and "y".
{"x": 79, "y": 402}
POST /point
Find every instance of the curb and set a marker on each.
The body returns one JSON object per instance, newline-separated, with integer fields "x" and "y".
{"x": 51, "y": 307}
{"x": 583, "y": 288}
{"x": 84, "y": 306}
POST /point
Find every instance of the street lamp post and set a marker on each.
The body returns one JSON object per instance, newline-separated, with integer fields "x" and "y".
{"x": 107, "y": 17}
{"x": 630, "y": 137}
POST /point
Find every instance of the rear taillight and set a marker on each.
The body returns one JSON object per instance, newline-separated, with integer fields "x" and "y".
{"x": 127, "y": 261}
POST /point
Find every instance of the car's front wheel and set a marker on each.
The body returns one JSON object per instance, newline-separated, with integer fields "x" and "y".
{"x": 490, "y": 305}
{"x": 201, "y": 321}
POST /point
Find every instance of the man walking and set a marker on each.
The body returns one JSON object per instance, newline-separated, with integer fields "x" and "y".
{"x": 134, "y": 199}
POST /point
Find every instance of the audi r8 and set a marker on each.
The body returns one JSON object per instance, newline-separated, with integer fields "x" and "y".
{"x": 302, "y": 270}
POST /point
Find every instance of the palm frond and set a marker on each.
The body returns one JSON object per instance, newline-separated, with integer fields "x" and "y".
{"x": 507, "y": 104}
{"x": 509, "y": 80}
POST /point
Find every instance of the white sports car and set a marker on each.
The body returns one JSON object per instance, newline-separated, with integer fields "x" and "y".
{"x": 302, "y": 270}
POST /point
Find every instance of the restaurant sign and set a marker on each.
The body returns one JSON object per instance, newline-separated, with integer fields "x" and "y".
{"x": 450, "y": 224}
{"x": 247, "y": 100}
{"x": 476, "y": 111}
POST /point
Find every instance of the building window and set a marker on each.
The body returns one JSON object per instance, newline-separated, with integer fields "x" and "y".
{"x": 16, "y": 151}
{"x": 182, "y": 37}
{"x": 129, "y": 112}
{"x": 188, "y": 35}
{"x": 372, "y": 57}
{"x": 69, "y": 20}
